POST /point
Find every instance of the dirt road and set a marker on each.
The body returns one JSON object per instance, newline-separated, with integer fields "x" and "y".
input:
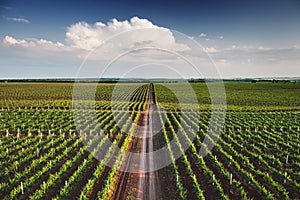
{"x": 146, "y": 183}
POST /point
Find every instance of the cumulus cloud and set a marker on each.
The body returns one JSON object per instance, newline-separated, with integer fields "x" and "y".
{"x": 221, "y": 37}
{"x": 140, "y": 37}
{"x": 118, "y": 35}
{"x": 18, "y": 19}
{"x": 202, "y": 35}
{"x": 11, "y": 41}
{"x": 34, "y": 48}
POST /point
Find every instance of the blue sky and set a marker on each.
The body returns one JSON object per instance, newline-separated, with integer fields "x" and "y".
{"x": 244, "y": 38}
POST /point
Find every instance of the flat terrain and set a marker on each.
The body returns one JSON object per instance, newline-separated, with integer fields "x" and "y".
{"x": 48, "y": 153}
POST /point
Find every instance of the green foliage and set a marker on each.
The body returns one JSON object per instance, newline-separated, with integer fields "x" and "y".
{"x": 39, "y": 141}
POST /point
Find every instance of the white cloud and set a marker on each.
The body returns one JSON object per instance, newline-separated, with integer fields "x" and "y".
{"x": 90, "y": 36}
{"x": 261, "y": 48}
{"x": 202, "y": 35}
{"x": 116, "y": 37}
{"x": 18, "y": 19}
{"x": 32, "y": 43}
{"x": 12, "y": 41}
{"x": 210, "y": 50}
{"x": 222, "y": 62}
{"x": 32, "y": 47}
{"x": 221, "y": 37}
{"x": 250, "y": 48}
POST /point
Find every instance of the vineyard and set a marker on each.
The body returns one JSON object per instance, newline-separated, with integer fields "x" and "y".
{"x": 45, "y": 153}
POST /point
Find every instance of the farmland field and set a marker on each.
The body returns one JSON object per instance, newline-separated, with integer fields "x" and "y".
{"x": 43, "y": 155}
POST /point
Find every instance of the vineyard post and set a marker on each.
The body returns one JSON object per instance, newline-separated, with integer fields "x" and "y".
{"x": 107, "y": 183}
{"x": 285, "y": 174}
{"x": 44, "y": 185}
{"x": 18, "y": 134}
{"x": 22, "y": 189}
